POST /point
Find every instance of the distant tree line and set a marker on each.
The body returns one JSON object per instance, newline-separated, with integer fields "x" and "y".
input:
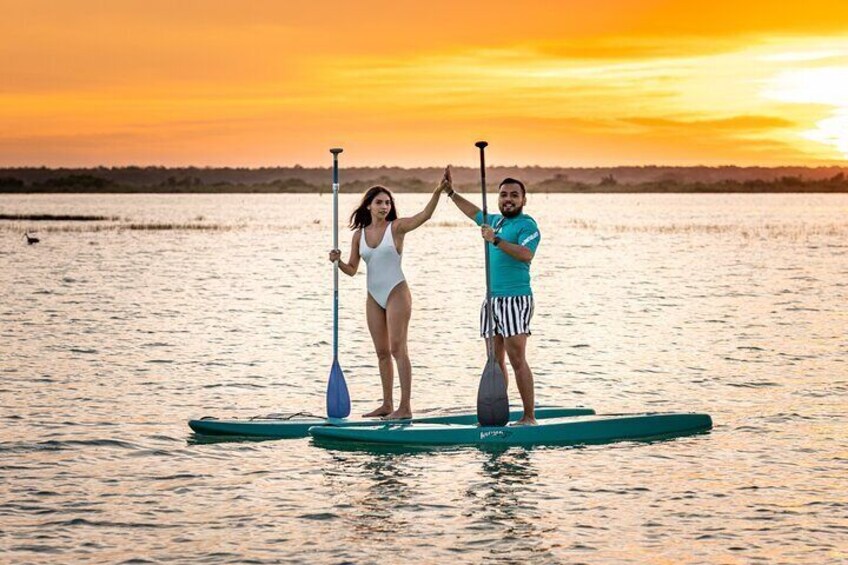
{"x": 609, "y": 184}
{"x": 301, "y": 180}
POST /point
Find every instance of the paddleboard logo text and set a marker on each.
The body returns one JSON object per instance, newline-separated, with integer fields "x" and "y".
{"x": 490, "y": 434}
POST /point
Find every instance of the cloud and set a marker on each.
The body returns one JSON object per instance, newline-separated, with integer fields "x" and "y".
{"x": 638, "y": 48}
{"x": 735, "y": 124}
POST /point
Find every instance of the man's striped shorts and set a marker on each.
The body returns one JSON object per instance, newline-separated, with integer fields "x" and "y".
{"x": 511, "y": 315}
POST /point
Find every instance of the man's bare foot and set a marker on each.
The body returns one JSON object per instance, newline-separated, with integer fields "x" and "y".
{"x": 525, "y": 421}
{"x": 399, "y": 414}
{"x": 383, "y": 410}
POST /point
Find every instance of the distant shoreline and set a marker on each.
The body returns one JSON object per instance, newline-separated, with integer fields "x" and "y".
{"x": 300, "y": 180}
{"x": 628, "y": 189}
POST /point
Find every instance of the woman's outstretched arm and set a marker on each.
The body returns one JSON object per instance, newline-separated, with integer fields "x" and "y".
{"x": 405, "y": 225}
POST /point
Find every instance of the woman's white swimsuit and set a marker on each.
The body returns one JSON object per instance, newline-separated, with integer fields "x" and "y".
{"x": 384, "y": 272}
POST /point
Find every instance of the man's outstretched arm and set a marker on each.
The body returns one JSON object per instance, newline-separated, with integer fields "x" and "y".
{"x": 464, "y": 205}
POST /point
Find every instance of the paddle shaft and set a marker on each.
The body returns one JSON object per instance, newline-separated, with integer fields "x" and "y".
{"x": 335, "y": 153}
{"x": 489, "y": 314}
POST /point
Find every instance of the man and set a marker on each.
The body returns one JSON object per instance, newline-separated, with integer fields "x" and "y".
{"x": 513, "y": 237}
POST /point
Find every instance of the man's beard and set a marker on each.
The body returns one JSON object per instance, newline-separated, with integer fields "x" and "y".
{"x": 512, "y": 213}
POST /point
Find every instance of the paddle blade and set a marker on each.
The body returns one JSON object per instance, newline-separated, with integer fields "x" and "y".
{"x": 338, "y": 398}
{"x": 492, "y": 399}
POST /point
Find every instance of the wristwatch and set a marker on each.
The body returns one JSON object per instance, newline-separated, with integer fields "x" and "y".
{"x": 496, "y": 241}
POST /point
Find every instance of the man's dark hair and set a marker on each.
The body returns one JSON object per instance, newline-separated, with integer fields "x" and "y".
{"x": 510, "y": 180}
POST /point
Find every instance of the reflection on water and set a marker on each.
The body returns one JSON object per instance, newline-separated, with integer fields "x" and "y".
{"x": 111, "y": 337}
{"x": 379, "y": 493}
{"x": 381, "y": 505}
{"x": 501, "y": 506}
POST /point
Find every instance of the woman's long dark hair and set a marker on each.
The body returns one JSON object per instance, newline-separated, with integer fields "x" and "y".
{"x": 361, "y": 217}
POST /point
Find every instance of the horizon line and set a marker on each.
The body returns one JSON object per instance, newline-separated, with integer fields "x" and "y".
{"x": 435, "y": 166}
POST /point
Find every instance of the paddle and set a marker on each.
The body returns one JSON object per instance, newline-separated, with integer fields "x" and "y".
{"x": 492, "y": 399}
{"x": 338, "y": 398}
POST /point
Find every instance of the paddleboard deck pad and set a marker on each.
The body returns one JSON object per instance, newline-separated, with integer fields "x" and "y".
{"x": 589, "y": 429}
{"x": 297, "y": 426}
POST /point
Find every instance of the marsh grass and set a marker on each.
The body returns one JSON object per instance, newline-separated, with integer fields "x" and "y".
{"x": 110, "y": 224}
{"x": 135, "y": 226}
{"x": 191, "y": 226}
{"x": 764, "y": 231}
{"x": 792, "y": 231}
{"x": 57, "y": 218}
{"x": 20, "y": 228}
{"x": 448, "y": 224}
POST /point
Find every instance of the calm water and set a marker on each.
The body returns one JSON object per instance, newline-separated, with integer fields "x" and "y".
{"x": 113, "y": 334}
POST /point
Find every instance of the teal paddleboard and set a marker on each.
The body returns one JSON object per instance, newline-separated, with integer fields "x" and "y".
{"x": 282, "y": 428}
{"x": 556, "y": 431}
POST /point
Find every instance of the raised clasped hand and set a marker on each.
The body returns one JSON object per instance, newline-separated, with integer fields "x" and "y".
{"x": 335, "y": 255}
{"x": 447, "y": 182}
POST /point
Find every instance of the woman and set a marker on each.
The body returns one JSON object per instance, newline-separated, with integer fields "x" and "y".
{"x": 378, "y": 238}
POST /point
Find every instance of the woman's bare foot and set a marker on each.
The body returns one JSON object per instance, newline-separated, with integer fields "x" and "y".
{"x": 524, "y": 421}
{"x": 380, "y": 412}
{"x": 400, "y": 414}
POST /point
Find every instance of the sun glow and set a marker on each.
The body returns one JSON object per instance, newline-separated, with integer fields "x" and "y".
{"x": 824, "y": 86}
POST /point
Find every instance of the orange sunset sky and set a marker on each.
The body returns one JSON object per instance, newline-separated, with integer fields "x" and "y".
{"x": 276, "y": 83}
